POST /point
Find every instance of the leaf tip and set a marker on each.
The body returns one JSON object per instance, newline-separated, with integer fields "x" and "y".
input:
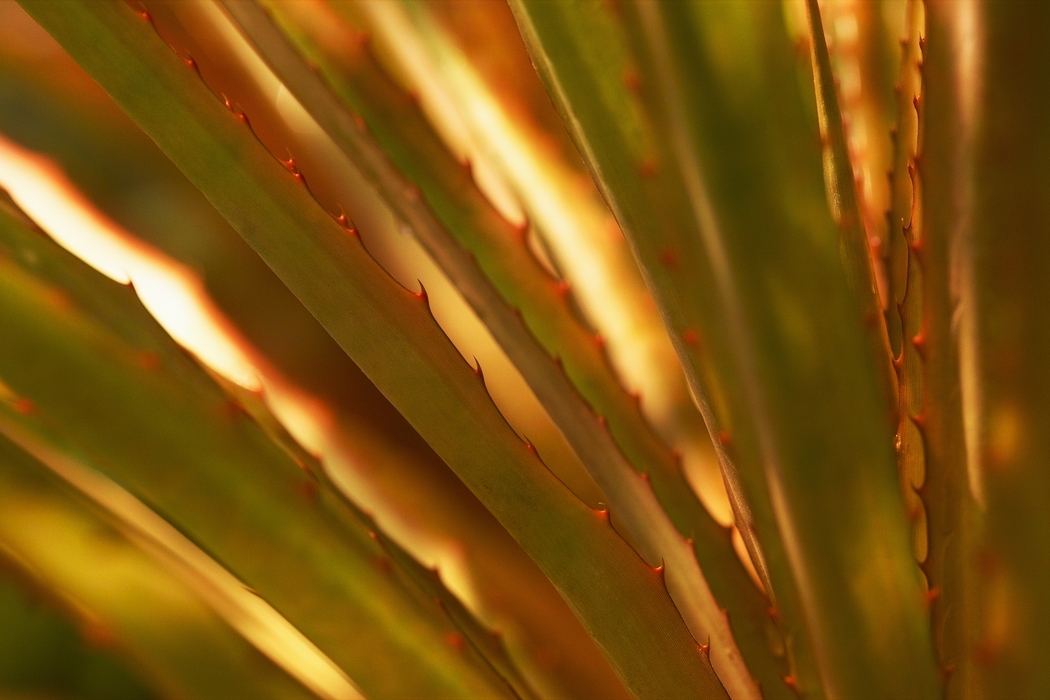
{"x": 422, "y": 293}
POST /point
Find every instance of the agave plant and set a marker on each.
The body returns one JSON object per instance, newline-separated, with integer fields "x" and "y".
{"x": 552, "y": 349}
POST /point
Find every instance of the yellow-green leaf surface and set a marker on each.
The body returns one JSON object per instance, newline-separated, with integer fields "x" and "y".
{"x": 772, "y": 338}
{"x": 583, "y": 386}
{"x": 389, "y": 332}
{"x": 90, "y": 376}
{"x": 376, "y": 456}
{"x": 489, "y": 644}
{"x": 43, "y": 650}
{"x": 192, "y": 455}
{"x": 119, "y": 594}
{"x": 477, "y": 77}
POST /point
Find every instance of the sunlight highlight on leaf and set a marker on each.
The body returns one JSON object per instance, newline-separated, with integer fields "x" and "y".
{"x": 172, "y": 292}
{"x": 175, "y": 296}
{"x": 253, "y": 617}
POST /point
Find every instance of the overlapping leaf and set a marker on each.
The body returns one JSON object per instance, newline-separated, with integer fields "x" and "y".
{"x": 168, "y": 435}
{"x": 462, "y": 217}
{"x": 121, "y": 595}
{"x": 390, "y": 334}
{"x": 369, "y": 448}
{"x": 771, "y": 335}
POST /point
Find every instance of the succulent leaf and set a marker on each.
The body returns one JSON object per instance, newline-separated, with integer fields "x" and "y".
{"x": 392, "y": 336}
{"x": 371, "y": 451}
{"x": 861, "y": 267}
{"x": 753, "y": 266}
{"x": 583, "y": 372}
{"x": 122, "y": 596}
{"x": 262, "y": 458}
{"x": 173, "y": 441}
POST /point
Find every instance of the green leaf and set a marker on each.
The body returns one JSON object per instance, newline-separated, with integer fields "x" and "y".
{"x": 120, "y": 594}
{"x": 864, "y": 47}
{"x": 905, "y": 272}
{"x": 983, "y": 170}
{"x": 846, "y": 210}
{"x": 373, "y": 453}
{"x": 767, "y": 327}
{"x": 168, "y": 435}
{"x": 489, "y": 645}
{"x": 583, "y": 386}
{"x": 932, "y": 450}
{"x": 389, "y": 332}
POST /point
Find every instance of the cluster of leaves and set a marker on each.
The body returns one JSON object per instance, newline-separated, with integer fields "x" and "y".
{"x": 785, "y": 372}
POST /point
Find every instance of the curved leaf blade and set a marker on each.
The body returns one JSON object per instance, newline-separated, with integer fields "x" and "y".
{"x": 657, "y": 506}
{"x": 75, "y": 342}
{"x": 119, "y": 590}
{"x": 389, "y": 332}
{"x": 370, "y": 450}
